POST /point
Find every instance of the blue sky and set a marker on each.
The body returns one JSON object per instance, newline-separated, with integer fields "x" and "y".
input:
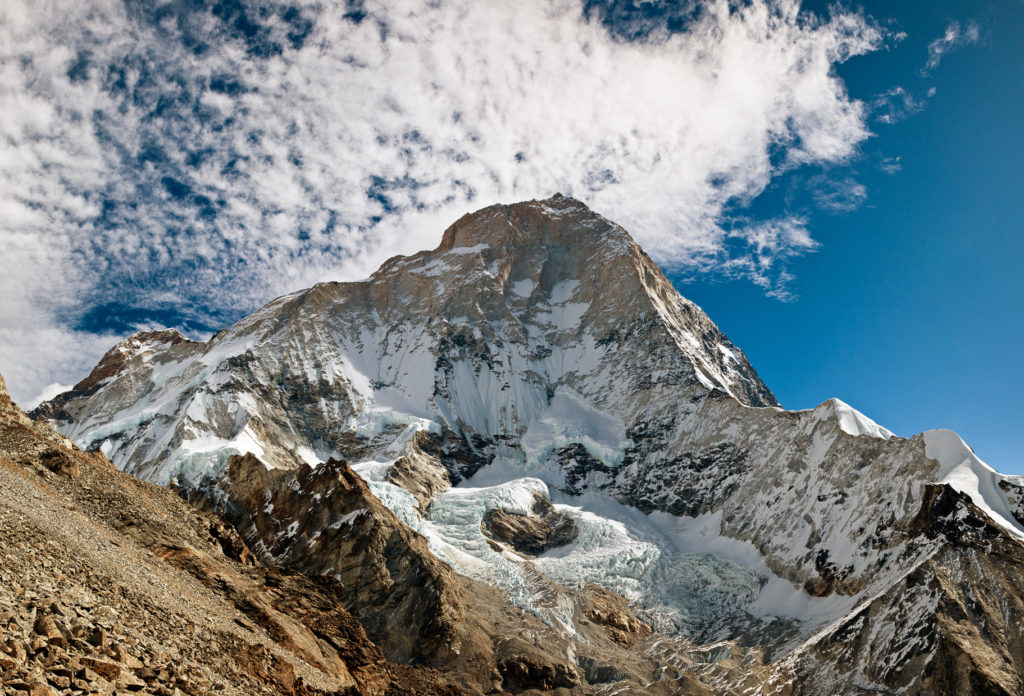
{"x": 912, "y": 308}
{"x": 835, "y": 185}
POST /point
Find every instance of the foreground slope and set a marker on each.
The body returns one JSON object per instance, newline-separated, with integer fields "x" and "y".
{"x": 536, "y": 401}
{"x": 108, "y": 582}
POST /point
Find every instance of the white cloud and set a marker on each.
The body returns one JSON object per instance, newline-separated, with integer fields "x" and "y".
{"x": 955, "y": 36}
{"x": 48, "y": 392}
{"x": 891, "y": 165}
{"x": 200, "y": 163}
{"x": 897, "y": 104}
{"x": 770, "y": 245}
{"x": 838, "y": 195}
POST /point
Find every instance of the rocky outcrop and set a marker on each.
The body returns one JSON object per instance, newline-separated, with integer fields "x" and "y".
{"x": 950, "y": 626}
{"x": 611, "y": 612}
{"x": 324, "y": 521}
{"x": 116, "y": 361}
{"x": 421, "y": 471}
{"x": 542, "y": 530}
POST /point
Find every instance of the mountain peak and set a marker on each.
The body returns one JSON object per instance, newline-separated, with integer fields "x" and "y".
{"x": 554, "y": 220}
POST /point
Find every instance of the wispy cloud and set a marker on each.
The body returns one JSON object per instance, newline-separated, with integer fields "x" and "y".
{"x": 843, "y": 195}
{"x": 178, "y": 163}
{"x": 891, "y": 165}
{"x": 956, "y": 36}
{"x": 764, "y": 248}
{"x": 897, "y": 104}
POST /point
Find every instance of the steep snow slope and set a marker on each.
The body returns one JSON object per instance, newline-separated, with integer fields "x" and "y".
{"x": 541, "y": 351}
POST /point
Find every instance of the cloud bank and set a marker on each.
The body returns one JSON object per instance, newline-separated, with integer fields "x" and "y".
{"x": 179, "y": 163}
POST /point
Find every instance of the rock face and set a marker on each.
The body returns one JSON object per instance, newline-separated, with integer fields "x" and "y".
{"x": 951, "y": 626}
{"x": 533, "y": 406}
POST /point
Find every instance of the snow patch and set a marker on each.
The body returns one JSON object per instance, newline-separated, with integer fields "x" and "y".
{"x": 854, "y": 422}
{"x": 524, "y": 287}
{"x": 563, "y": 291}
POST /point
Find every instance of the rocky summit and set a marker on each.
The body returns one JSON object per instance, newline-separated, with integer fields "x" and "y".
{"x": 518, "y": 463}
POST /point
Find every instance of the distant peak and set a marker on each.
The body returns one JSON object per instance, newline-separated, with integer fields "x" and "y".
{"x": 117, "y": 357}
{"x": 561, "y": 201}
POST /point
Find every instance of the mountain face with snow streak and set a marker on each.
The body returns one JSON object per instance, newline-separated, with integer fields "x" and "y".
{"x": 539, "y": 360}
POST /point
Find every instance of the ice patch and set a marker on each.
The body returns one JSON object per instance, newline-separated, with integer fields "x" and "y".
{"x": 372, "y": 471}
{"x": 468, "y": 250}
{"x": 308, "y": 455}
{"x": 568, "y": 419}
{"x": 347, "y": 518}
{"x": 562, "y": 292}
{"x": 524, "y": 287}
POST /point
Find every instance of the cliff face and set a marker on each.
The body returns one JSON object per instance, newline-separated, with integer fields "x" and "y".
{"x": 531, "y": 410}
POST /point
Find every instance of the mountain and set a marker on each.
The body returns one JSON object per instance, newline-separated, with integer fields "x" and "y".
{"x": 544, "y": 416}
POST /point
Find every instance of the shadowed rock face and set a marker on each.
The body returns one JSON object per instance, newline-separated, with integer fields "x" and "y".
{"x": 325, "y": 521}
{"x": 951, "y": 626}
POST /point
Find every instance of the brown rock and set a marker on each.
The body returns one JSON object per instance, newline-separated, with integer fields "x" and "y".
{"x": 375, "y": 556}
{"x": 108, "y": 670}
{"x": 544, "y": 529}
{"x": 98, "y": 638}
{"x": 611, "y": 611}
{"x": 125, "y": 658}
{"x": 16, "y": 650}
{"x": 146, "y": 674}
{"x": 45, "y": 627}
{"x": 59, "y": 681}
{"x": 522, "y": 666}
{"x": 421, "y": 472}
{"x": 130, "y": 682}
